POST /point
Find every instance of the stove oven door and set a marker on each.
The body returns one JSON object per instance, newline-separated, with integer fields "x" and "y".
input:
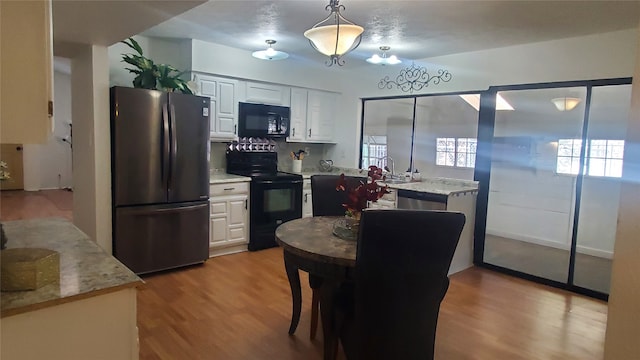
{"x": 273, "y": 202}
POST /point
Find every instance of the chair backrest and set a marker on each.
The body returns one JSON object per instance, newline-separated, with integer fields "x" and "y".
{"x": 326, "y": 200}
{"x": 402, "y": 262}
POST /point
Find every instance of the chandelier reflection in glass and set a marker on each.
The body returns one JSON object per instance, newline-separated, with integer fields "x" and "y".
{"x": 414, "y": 78}
{"x": 334, "y": 36}
{"x": 565, "y": 103}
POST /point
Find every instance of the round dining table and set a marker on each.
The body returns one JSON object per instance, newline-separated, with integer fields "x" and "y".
{"x": 309, "y": 244}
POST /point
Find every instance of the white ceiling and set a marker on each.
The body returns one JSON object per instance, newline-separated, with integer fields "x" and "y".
{"x": 414, "y": 29}
{"x": 105, "y": 23}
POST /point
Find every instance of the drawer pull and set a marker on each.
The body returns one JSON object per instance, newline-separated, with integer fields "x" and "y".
{"x": 228, "y": 189}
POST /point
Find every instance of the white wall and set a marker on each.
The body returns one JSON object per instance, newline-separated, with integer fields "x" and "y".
{"x": 48, "y": 166}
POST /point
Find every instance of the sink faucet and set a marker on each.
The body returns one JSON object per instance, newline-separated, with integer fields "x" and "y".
{"x": 388, "y": 159}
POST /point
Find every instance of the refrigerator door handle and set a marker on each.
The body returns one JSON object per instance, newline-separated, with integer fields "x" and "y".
{"x": 165, "y": 145}
{"x": 174, "y": 145}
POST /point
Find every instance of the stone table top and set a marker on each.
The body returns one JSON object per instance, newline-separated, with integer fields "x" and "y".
{"x": 86, "y": 270}
{"x": 312, "y": 238}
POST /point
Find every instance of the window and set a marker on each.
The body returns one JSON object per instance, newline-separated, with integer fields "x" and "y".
{"x": 374, "y": 151}
{"x": 604, "y": 157}
{"x": 456, "y": 152}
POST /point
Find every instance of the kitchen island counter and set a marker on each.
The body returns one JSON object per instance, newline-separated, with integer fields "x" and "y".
{"x": 91, "y": 311}
{"x": 440, "y": 186}
{"x": 86, "y": 270}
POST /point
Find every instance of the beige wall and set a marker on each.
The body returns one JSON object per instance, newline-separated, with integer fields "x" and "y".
{"x": 623, "y": 325}
{"x": 91, "y": 144}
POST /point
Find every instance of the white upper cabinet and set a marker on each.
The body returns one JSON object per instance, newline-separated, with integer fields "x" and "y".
{"x": 298, "y": 116}
{"x": 26, "y": 73}
{"x": 312, "y": 116}
{"x": 267, "y": 93}
{"x": 224, "y": 105}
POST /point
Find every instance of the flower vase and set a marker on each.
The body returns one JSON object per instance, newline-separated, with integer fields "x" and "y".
{"x": 347, "y": 227}
{"x": 353, "y": 222}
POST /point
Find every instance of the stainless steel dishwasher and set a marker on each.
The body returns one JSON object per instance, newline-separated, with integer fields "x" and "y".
{"x": 416, "y": 200}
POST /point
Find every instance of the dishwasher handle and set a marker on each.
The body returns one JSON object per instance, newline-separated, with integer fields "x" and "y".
{"x": 424, "y": 196}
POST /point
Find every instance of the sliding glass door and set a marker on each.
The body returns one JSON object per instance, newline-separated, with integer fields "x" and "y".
{"x": 530, "y": 207}
{"x": 553, "y": 183}
{"x": 600, "y": 191}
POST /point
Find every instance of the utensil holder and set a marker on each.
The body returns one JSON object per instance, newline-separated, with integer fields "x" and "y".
{"x": 296, "y": 166}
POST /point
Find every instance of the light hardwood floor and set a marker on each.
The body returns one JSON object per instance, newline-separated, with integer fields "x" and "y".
{"x": 239, "y": 307}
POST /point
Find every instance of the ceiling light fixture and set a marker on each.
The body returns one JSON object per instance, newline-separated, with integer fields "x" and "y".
{"x": 383, "y": 60}
{"x": 565, "y": 103}
{"x": 270, "y": 53}
{"x": 334, "y": 36}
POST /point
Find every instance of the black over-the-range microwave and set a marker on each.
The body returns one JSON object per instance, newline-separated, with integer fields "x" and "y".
{"x": 263, "y": 121}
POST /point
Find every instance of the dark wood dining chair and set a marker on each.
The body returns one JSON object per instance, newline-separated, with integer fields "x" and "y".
{"x": 391, "y": 309}
{"x": 326, "y": 201}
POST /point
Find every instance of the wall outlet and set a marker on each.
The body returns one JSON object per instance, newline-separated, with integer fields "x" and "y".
{"x": 307, "y": 151}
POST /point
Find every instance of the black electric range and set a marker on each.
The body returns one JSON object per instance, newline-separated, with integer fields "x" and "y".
{"x": 275, "y": 196}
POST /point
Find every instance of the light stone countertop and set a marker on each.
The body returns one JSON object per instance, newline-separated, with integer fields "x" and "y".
{"x": 86, "y": 270}
{"x": 224, "y": 178}
{"x": 440, "y": 186}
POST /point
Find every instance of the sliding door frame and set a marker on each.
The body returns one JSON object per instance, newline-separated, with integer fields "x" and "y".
{"x": 482, "y": 174}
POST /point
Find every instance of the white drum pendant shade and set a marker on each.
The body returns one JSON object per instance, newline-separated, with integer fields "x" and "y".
{"x": 324, "y": 38}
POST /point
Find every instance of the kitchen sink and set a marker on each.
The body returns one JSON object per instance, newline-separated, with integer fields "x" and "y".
{"x": 394, "y": 181}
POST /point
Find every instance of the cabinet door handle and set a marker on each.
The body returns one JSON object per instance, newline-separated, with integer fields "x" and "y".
{"x": 235, "y": 129}
{"x": 309, "y": 132}
{"x": 229, "y": 189}
{"x": 306, "y": 197}
{"x": 294, "y": 132}
{"x": 246, "y": 204}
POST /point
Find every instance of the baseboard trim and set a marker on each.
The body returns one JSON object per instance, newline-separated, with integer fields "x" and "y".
{"x": 553, "y": 244}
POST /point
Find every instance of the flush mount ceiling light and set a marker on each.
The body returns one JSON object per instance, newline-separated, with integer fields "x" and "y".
{"x": 270, "y": 53}
{"x": 334, "y": 36}
{"x": 565, "y": 103}
{"x": 384, "y": 60}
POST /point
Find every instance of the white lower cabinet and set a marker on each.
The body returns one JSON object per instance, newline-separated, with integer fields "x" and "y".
{"x": 307, "y": 208}
{"x": 229, "y": 218}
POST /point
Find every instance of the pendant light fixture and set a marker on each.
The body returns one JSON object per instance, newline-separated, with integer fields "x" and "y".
{"x": 383, "y": 60}
{"x": 334, "y": 36}
{"x": 270, "y": 53}
{"x": 565, "y": 103}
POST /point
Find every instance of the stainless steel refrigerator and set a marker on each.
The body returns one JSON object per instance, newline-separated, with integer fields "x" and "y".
{"x": 160, "y": 178}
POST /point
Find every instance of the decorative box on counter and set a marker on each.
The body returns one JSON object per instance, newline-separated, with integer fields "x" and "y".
{"x": 28, "y": 268}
